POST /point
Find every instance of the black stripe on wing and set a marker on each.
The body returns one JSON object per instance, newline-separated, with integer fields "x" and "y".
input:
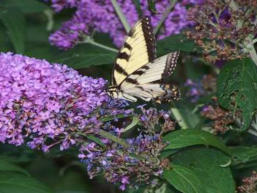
{"x": 116, "y": 66}
{"x": 119, "y": 69}
{"x": 126, "y": 45}
{"x": 123, "y": 55}
{"x": 131, "y": 80}
{"x": 149, "y": 38}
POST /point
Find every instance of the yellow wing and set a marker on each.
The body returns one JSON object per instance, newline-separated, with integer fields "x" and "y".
{"x": 150, "y": 83}
{"x": 138, "y": 50}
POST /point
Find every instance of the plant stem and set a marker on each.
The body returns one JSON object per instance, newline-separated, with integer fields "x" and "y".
{"x": 164, "y": 16}
{"x": 113, "y": 138}
{"x": 91, "y": 41}
{"x": 50, "y": 20}
{"x": 181, "y": 121}
{"x": 121, "y": 15}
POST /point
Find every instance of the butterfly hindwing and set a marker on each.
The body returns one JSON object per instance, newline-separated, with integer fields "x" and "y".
{"x": 148, "y": 82}
{"x": 138, "y": 50}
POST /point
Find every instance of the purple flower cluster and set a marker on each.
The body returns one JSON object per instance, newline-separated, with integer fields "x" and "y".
{"x": 152, "y": 117}
{"x": 95, "y": 15}
{"x": 136, "y": 163}
{"x": 224, "y": 30}
{"x": 203, "y": 87}
{"x": 125, "y": 165}
{"x": 44, "y": 105}
{"x": 195, "y": 90}
{"x": 47, "y": 105}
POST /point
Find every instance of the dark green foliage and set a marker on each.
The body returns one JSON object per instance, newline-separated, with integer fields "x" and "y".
{"x": 14, "y": 21}
{"x": 27, "y": 6}
{"x": 190, "y": 137}
{"x": 8, "y": 166}
{"x": 204, "y": 170}
{"x": 200, "y": 162}
{"x": 17, "y": 183}
{"x": 85, "y": 56}
{"x": 237, "y": 88}
{"x": 174, "y": 43}
{"x": 244, "y": 156}
{"x": 183, "y": 179}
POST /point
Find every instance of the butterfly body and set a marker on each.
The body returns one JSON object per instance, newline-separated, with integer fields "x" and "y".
{"x": 137, "y": 72}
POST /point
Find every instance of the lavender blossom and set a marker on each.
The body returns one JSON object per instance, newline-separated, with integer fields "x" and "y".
{"x": 100, "y": 16}
{"x": 195, "y": 90}
{"x": 121, "y": 164}
{"x": 139, "y": 161}
{"x": 45, "y": 105}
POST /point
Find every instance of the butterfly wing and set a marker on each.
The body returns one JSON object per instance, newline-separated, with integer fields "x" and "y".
{"x": 148, "y": 82}
{"x": 138, "y": 50}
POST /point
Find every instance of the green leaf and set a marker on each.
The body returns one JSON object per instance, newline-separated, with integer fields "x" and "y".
{"x": 208, "y": 165}
{"x": 41, "y": 51}
{"x": 5, "y": 45}
{"x": 243, "y": 155}
{"x": 11, "y": 182}
{"x": 72, "y": 182}
{"x": 183, "y": 179}
{"x": 85, "y": 56}
{"x": 7, "y": 166}
{"x": 175, "y": 43}
{"x": 164, "y": 188}
{"x": 237, "y": 88}
{"x": 16, "y": 155}
{"x": 168, "y": 153}
{"x": 14, "y": 22}
{"x": 190, "y": 137}
{"x": 37, "y": 44}
{"x": 26, "y": 6}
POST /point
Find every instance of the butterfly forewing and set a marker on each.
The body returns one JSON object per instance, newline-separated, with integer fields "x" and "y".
{"x": 138, "y": 50}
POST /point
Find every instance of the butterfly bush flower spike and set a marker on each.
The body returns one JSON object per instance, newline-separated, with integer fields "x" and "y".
{"x": 224, "y": 29}
{"x": 136, "y": 163}
{"x": 47, "y": 105}
{"x": 101, "y": 16}
{"x": 44, "y": 105}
